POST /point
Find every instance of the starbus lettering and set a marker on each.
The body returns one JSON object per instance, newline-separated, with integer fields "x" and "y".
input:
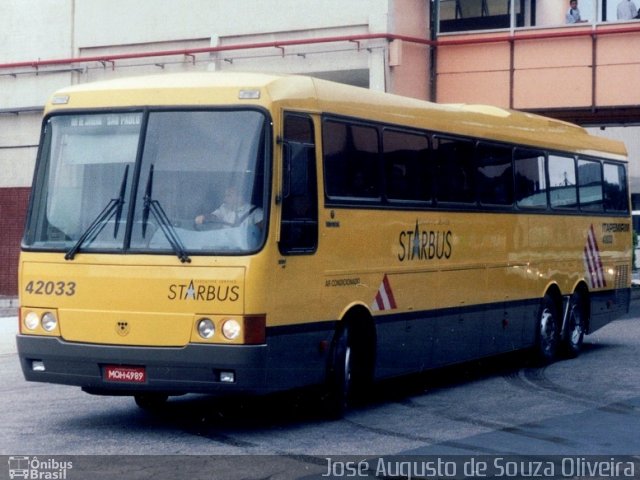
{"x": 419, "y": 244}
{"x": 205, "y": 293}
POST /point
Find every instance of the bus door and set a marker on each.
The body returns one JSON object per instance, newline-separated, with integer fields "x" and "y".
{"x": 299, "y": 219}
{"x": 297, "y": 308}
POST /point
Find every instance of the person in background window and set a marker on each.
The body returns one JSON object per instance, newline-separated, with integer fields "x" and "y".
{"x": 573, "y": 14}
{"x": 627, "y": 10}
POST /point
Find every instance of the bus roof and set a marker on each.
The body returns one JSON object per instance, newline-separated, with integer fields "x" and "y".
{"x": 315, "y": 95}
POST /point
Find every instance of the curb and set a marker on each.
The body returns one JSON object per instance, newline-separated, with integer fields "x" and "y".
{"x": 8, "y": 306}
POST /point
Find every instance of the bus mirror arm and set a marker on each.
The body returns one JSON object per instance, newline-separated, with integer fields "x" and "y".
{"x": 123, "y": 188}
{"x": 94, "y": 229}
{"x": 147, "y": 204}
{"x": 167, "y": 229}
{"x": 286, "y": 171}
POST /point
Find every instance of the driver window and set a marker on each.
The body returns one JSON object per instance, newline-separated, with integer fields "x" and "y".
{"x": 299, "y": 228}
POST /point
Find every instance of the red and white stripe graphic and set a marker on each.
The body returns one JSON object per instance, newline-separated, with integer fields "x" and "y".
{"x": 592, "y": 261}
{"x": 384, "y": 298}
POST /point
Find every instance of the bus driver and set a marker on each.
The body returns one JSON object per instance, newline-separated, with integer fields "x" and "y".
{"x": 234, "y": 211}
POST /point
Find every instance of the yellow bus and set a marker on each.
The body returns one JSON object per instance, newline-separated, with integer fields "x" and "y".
{"x": 231, "y": 233}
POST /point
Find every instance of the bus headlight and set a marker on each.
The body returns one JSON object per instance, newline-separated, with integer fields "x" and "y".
{"x": 231, "y": 329}
{"x": 32, "y": 320}
{"x": 206, "y": 328}
{"x": 228, "y": 329}
{"x": 49, "y": 321}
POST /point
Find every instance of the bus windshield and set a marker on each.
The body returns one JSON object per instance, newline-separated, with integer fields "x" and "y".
{"x": 183, "y": 182}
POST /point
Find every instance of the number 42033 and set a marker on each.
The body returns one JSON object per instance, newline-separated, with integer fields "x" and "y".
{"x": 60, "y": 288}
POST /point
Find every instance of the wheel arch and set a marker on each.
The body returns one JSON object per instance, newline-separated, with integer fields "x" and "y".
{"x": 359, "y": 319}
{"x": 553, "y": 290}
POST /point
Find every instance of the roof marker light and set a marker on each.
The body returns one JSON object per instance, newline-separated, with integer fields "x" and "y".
{"x": 249, "y": 94}
{"x": 60, "y": 100}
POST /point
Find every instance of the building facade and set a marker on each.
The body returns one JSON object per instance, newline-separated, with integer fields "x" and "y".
{"x": 511, "y": 53}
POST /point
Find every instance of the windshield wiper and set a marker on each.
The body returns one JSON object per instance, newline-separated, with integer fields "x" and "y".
{"x": 163, "y": 220}
{"x": 113, "y": 208}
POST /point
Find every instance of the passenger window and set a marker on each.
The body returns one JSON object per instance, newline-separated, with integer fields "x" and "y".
{"x": 455, "y": 170}
{"x": 562, "y": 178}
{"x": 495, "y": 175}
{"x": 406, "y": 165}
{"x": 530, "y": 179}
{"x": 616, "y": 197}
{"x": 590, "y": 185}
{"x": 351, "y": 154}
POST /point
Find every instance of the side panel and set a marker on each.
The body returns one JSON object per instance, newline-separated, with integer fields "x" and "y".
{"x": 475, "y": 293}
{"x": 608, "y": 306}
{"x": 420, "y": 341}
{"x": 298, "y": 356}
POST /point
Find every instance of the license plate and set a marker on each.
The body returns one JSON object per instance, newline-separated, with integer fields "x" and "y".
{"x": 117, "y": 373}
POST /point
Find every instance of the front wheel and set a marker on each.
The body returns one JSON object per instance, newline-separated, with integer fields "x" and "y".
{"x": 548, "y": 331}
{"x": 151, "y": 401}
{"x": 339, "y": 382}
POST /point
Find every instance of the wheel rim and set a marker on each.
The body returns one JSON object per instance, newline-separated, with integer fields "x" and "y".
{"x": 576, "y": 335}
{"x": 547, "y": 333}
{"x": 347, "y": 371}
{"x": 577, "y": 330}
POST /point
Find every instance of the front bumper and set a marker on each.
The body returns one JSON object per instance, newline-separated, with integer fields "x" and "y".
{"x": 174, "y": 370}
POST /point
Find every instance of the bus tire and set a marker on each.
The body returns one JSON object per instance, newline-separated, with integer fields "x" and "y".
{"x": 548, "y": 331}
{"x": 575, "y": 328}
{"x": 339, "y": 383}
{"x": 150, "y": 401}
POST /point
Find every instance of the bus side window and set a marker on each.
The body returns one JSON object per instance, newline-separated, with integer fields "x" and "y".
{"x": 590, "y": 185}
{"x": 455, "y": 170}
{"x": 530, "y": 179}
{"x": 616, "y": 197}
{"x": 562, "y": 180}
{"x": 407, "y": 166}
{"x": 494, "y": 174}
{"x": 351, "y": 156}
{"x": 299, "y": 224}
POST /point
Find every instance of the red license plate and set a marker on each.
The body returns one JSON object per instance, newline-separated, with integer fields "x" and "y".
{"x": 117, "y": 373}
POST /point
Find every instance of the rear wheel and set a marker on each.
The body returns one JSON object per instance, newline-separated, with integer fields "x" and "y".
{"x": 548, "y": 331}
{"x": 575, "y": 328}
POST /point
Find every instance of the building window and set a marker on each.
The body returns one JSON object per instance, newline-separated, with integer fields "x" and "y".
{"x": 465, "y": 15}
{"x": 471, "y": 15}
